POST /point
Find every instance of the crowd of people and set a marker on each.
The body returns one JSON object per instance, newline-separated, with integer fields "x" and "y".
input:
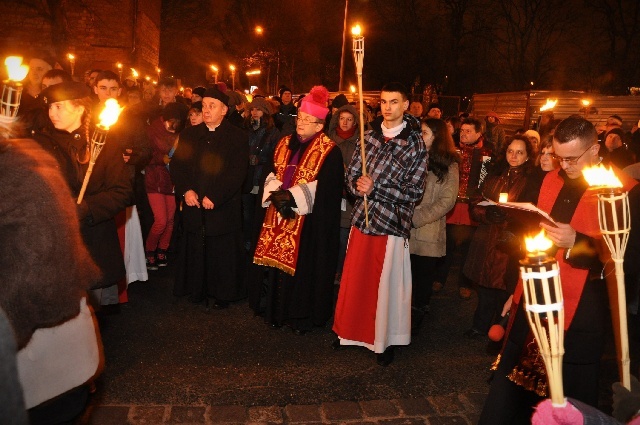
{"x": 278, "y": 200}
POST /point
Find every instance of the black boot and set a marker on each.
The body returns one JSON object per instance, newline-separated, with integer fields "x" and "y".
{"x": 385, "y": 359}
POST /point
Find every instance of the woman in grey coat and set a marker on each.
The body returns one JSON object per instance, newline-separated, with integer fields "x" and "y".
{"x": 428, "y": 234}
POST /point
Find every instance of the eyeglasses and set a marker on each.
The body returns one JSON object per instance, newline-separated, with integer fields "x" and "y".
{"x": 306, "y": 121}
{"x": 570, "y": 161}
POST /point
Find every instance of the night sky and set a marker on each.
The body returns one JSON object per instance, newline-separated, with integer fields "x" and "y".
{"x": 461, "y": 46}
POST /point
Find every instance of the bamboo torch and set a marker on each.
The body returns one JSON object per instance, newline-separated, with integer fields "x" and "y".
{"x": 12, "y": 88}
{"x": 108, "y": 117}
{"x": 614, "y": 217}
{"x": 358, "y": 57}
{"x": 544, "y": 307}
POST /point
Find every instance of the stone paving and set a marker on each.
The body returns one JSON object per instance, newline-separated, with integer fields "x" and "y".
{"x": 454, "y": 409}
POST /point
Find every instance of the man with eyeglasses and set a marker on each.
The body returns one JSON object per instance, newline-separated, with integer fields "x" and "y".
{"x": 298, "y": 242}
{"x": 565, "y": 195}
{"x": 374, "y": 302}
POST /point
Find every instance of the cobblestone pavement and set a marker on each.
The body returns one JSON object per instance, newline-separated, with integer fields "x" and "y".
{"x": 437, "y": 410}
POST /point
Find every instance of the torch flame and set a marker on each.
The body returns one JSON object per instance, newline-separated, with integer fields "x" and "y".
{"x": 110, "y": 113}
{"x": 600, "y": 176}
{"x": 538, "y": 243}
{"x": 134, "y": 73}
{"x": 549, "y": 105}
{"x": 15, "y": 69}
{"x": 356, "y": 31}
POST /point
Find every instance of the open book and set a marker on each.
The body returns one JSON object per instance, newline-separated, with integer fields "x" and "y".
{"x": 520, "y": 206}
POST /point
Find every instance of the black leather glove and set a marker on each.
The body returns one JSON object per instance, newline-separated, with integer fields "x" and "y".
{"x": 626, "y": 403}
{"x": 281, "y": 199}
{"x": 494, "y": 215}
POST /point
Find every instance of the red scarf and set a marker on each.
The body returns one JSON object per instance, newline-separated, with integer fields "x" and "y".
{"x": 345, "y": 134}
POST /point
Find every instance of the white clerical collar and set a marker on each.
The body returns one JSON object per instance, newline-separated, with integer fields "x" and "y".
{"x": 394, "y": 131}
{"x": 214, "y": 128}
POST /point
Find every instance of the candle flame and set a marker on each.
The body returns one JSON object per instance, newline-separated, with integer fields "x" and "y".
{"x": 232, "y": 68}
{"x": 119, "y": 65}
{"x": 538, "y": 243}
{"x": 549, "y": 105}
{"x": 110, "y": 113}
{"x": 504, "y": 197}
{"x": 134, "y": 73}
{"x": 356, "y": 31}
{"x": 214, "y": 68}
{"x": 352, "y": 88}
{"x": 71, "y": 57}
{"x": 600, "y": 176}
{"x": 585, "y": 102}
{"x": 15, "y": 69}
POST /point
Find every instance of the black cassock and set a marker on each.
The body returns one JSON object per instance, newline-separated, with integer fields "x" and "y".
{"x": 213, "y": 164}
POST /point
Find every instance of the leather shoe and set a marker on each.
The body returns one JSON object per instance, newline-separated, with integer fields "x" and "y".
{"x": 337, "y": 346}
{"x": 385, "y": 359}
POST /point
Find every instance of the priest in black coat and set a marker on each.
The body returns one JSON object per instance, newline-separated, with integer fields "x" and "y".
{"x": 208, "y": 170}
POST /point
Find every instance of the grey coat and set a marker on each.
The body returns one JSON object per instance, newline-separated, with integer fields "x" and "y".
{"x": 428, "y": 232}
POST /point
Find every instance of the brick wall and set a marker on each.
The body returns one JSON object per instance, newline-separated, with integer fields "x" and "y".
{"x": 99, "y": 33}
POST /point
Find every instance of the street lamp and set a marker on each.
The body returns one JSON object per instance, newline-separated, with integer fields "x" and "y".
{"x": 215, "y": 73}
{"x": 233, "y": 76}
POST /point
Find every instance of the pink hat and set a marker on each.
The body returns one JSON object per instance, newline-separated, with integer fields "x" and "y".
{"x": 315, "y": 103}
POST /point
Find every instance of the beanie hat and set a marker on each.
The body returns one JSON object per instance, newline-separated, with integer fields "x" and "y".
{"x": 617, "y": 118}
{"x": 315, "y": 103}
{"x": 197, "y": 106}
{"x": 618, "y": 131}
{"x": 67, "y": 90}
{"x": 216, "y": 94}
{"x": 199, "y": 91}
{"x": 261, "y": 104}
{"x": 221, "y": 86}
{"x": 339, "y": 101}
{"x": 532, "y": 133}
{"x": 284, "y": 89}
{"x": 235, "y": 98}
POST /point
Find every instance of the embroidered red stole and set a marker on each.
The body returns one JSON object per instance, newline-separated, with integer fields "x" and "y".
{"x": 279, "y": 243}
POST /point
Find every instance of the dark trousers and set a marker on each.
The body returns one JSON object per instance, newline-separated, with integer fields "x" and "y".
{"x": 423, "y": 273}
{"x": 458, "y": 243}
{"x": 344, "y": 239}
{"x": 490, "y": 304}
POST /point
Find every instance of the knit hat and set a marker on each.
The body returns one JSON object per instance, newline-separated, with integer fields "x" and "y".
{"x": 216, "y": 94}
{"x": 66, "y": 90}
{"x": 315, "y": 103}
{"x": 235, "y": 98}
{"x": 197, "y": 106}
{"x": 620, "y": 132}
{"x": 199, "y": 91}
{"x": 617, "y": 118}
{"x": 434, "y": 105}
{"x": 221, "y": 86}
{"x": 339, "y": 101}
{"x": 261, "y": 104}
{"x": 532, "y": 133}
{"x": 284, "y": 89}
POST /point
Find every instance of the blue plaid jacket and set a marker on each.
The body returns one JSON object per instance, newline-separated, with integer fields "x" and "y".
{"x": 398, "y": 168}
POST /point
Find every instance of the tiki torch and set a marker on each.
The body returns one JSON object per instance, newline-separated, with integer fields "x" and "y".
{"x": 12, "y": 88}
{"x": 614, "y": 217}
{"x": 72, "y": 62}
{"x": 545, "y": 309}
{"x": 108, "y": 117}
{"x": 358, "y": 57}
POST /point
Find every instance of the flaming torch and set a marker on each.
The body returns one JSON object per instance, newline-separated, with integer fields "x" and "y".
{"x": 108, "y": 117}
{"x": 12, "y": 88}
{"x": 72, "y": 62}
{"x": 544, "y": 307}
{"x": 358, "y": 57}
{"x": 614, "y": 217}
